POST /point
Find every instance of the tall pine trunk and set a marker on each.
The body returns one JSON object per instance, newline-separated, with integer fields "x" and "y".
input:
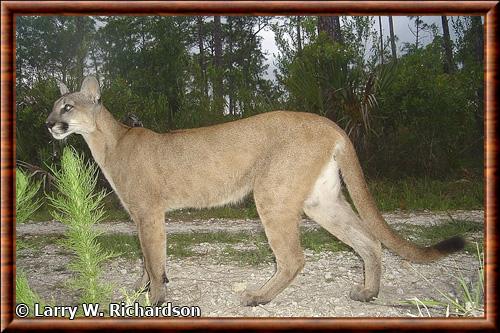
{"x": 393, "y": 40}
{"x": 477, "y": 28}
{"x": 203, "y": 67}
{"x": 331, "y": 26}
{"x": 229, "y": 62}
{"x": 299, "y": 34}
{"x": 81, "y": 50}
{"x": 416, "y": 33}
{"x": 449, "y": 65}
{"x": 218, "y": 80}
{"x": 478, "y": 52}
{"x": 381, "y": 40}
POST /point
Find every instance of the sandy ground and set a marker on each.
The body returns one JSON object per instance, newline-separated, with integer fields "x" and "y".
{"x": 321, "y": 290}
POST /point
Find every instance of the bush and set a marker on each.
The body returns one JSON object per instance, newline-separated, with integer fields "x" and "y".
{"x": 426, "y": 121}
{"x": 80, "y": 209}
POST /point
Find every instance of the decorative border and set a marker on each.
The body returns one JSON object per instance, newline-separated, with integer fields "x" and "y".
{"x": 9, "y": 9}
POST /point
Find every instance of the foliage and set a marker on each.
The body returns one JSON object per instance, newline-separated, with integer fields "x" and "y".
{"x": 25, "y": 207}
{"x": 51, "y": 47}
{"x": 149, "y": 55}
{"x": 325, "y": 80}
{"x": 165, "y": 70}
{"x": 80, "y": 209}
{"x": 26, "y": 190}
{"x": 427, "y": 115}
{"x": 130, "y": 298}
{"x": 418, "y": 194}
{"x": 421, "y": 31}
{"x": 24, "y": 294}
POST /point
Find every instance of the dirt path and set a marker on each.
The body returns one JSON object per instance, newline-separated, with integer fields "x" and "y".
{"x": 320, "y": 290}
{"x": 213, "y": 225}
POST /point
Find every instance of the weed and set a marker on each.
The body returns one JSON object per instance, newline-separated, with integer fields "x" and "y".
{"x": 138, "y": 296}
{"x": 77, "y": 206}
{"x": 26, "y": 205}
{"x": 425, "y": 305}
{"x": 26, "y": 191}
{"x": 24, "y": 294}
{"x": 471, "y": 301}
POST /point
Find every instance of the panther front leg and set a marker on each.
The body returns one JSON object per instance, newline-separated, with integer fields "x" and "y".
{"x": 151, "y": 230}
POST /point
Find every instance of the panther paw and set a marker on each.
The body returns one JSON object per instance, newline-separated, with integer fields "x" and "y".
{"x": 361, "y": 294}
{"x": 251, "y": 298}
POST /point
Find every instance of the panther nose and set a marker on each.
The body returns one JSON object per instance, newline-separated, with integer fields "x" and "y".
{"x": 49, "y": 124}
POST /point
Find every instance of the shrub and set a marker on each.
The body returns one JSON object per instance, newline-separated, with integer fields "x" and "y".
{"x": 80, "y": 209}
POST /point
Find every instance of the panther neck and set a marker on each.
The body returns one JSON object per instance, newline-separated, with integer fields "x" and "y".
{"x": 103, "y": 140}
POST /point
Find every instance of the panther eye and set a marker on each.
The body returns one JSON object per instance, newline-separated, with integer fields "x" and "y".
{"x": 67, "y": 108}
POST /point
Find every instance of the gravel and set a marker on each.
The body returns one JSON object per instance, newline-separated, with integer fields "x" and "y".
{"x": 320, "y": 290}
{"x": 238, "y": 225}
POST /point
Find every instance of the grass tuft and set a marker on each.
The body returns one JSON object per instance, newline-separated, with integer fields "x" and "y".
{"x": 470, "y": 302}
{"x": 24, "y": 294}
{"x": 26, "y": 190}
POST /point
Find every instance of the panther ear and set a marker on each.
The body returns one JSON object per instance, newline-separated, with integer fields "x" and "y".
{"x": 90, "y": 87}
{"x": 63, "y": 89}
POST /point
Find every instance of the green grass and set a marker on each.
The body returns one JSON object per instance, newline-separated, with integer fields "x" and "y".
{"x": 321, "y": 240}
{"x": 180, "y": 245}
{"x": 427, "y": 235}
{"x": 126, "y": 246}
{"x": 409, "y": 194}
{"x": 434, "y": 195}
{"x": 42, "y": 214}
{"x": 24, "y": 294}
{"x": 37, "y": 242}
{"x": 251, "y": 257}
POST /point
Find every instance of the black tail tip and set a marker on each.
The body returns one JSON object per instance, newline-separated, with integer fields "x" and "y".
{"x": 450, "y": 245}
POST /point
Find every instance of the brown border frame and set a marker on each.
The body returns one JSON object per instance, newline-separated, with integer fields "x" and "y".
{"x": 9, "y": 9}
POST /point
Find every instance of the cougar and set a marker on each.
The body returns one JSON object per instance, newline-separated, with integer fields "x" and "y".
{"x": 290, "y": 161}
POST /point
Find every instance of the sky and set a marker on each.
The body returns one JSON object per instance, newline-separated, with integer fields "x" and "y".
{"x": 401, "y": 30}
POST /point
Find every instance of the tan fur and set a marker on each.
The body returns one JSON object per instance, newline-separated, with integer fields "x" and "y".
{"x": 289, "y": 160}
